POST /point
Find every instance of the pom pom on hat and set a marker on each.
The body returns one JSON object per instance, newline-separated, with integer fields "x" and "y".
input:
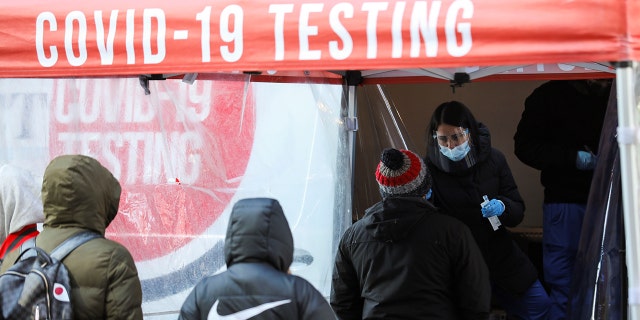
{"x": 402, "y": 173}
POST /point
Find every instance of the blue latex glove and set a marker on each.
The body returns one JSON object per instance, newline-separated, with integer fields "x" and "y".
{"x": 428, "y": 195}
{"x": 495, "y": 207}
{"x": 586, "y": 160}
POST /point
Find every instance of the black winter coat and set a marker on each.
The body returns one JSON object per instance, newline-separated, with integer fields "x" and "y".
{"x": 404, "y": 260}
{"x": 258, "y": 252}
{"x": 560, "y": 118}
{"x": 460, "y": 193}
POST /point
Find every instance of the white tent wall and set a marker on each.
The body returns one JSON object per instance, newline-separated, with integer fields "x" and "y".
{"x": 184, "y": 154}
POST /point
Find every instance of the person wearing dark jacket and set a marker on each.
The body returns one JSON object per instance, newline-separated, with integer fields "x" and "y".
{"x": 558, "y": 134}
{"x": 406, "y": 260}
{"x": 473, "y": 183}
{"x": 258, "y": 251}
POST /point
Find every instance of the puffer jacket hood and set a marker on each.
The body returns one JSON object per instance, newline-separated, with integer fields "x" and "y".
{"x": 74, "y": 185}
{"x": 20, "y": 203}
{"x": 258, "y": 231}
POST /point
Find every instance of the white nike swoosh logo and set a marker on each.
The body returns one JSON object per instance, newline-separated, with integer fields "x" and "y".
{"x": 244, "y": 314}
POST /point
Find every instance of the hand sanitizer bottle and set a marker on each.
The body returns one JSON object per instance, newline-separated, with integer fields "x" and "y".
{"x": 494, "y": 220}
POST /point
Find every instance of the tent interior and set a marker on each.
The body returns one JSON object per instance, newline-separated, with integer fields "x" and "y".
{"x": 499, "y": 105}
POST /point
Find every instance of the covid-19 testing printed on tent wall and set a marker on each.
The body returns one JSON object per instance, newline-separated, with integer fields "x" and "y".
{"x": 184, "y": 154}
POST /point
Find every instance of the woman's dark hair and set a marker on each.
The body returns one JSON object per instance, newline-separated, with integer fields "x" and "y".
{"x": 453, "y": 113}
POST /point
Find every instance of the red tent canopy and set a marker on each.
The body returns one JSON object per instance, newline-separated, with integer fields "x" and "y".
{"x": 120, "y": 38}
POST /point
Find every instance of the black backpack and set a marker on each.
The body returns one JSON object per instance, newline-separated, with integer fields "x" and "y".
{"x": 37, "y": 286}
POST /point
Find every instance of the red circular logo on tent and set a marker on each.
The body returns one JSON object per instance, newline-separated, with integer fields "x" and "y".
{"x": 179, "y": 153}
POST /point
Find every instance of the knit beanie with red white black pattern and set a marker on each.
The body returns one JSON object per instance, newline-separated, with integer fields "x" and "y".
{"x": 402, "y": 173}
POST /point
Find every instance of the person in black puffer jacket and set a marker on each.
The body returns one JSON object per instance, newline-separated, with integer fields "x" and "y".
{"x": 258, "y": 250}
{"x": 406, "y": 260}
{"x": 465, "y": 169}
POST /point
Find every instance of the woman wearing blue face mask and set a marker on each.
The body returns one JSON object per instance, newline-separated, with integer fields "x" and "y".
{"x": 465, "y": 168}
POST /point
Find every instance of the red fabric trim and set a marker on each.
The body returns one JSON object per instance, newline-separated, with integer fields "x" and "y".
{"x": 16, "y": 239}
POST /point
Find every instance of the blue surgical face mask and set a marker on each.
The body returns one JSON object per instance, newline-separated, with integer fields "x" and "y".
{"x": 457, "y": 153}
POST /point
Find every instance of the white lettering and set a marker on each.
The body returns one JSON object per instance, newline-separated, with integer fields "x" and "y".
{"x": 131, "y": 51}
{"x": 396, "y": 30}
{"x": 113, "y": 101}
{"x": 199, "y": 103}
{"x": 87, "y": 110}
{"x": 280, "y": 10}
{"x": 112, "y": 141}
{"x": 139, "y": 145}
{"x": 133, "y": 139}
{"x": 205, "y": 33}
{"x": 143, "y": 113}
{"x": 421, "y": 24}
{"x": 80, "y": 142}
{"x": 160, "y": 158}
{"x": 105, "y": 49}
{"x": 427, "y": 27}
{"x": 455, "y": 50}
{"x": 189, "y": 144}
{"x": 76, "y": 16}
{"x": 346, "y": 9}
{"x": 305, "y": 31}
{"x": 235, "y": 35}
{"x": 148, "y": 16}
{"x": 53, "y": 51}
{"x": 156, "y": 155}
{"x": 372, "y": 24}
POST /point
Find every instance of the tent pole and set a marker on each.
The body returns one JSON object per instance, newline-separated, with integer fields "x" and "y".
{"x": 344, "y": 215}
{"x": 628, "y": 141}
{"x": 353, "y": 79}
{"x": 352, "y": 114}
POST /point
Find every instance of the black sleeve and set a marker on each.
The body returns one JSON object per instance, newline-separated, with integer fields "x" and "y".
{"x": 313, "y": 305}
{"x": 471, "y": 276}
{"x": 509, "y": 194}
{"x": 345, "y": 288}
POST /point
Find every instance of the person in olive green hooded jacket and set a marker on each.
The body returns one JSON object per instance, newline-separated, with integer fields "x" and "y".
{"x": 79, "y": 194}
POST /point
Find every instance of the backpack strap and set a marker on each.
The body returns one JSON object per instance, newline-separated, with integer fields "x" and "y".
{"x": 31, "y": 242}
{"x": 68, "y": 245}
{"x": 26, "y": 244}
